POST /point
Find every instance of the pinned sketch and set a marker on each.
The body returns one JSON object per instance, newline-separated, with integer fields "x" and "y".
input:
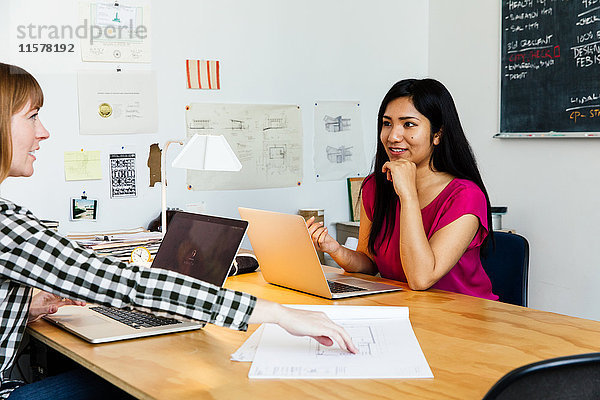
{"x": 203, "y": 74}
{"x": 117, "y": 102}
{"x": 82, "y": 165}
{"x": 337, "y": 124}
{"x": 122, "y": 175}
{"x": 339, "y": 155}
{"x": 338, "y": 144}
{"x": 267, "y": 139}
{"x": 118, "y": 33}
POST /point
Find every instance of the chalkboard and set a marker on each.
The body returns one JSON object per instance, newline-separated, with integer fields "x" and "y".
{"x": 550, "y": 72}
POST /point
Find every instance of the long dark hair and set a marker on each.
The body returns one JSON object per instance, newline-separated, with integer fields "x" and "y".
{"x": 452, "y": 155}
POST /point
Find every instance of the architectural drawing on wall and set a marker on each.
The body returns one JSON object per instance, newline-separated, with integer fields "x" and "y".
{"x": 238, "y": 124}
{"x": 199, "y": 124}
{"x": 267, "y": 139}
{"x": 337, "y": 124}
{"x": 277, "y": 157}
{"x": 339, "y": 155}
{"x": 274, "y": 123}
{"x": 338, "y": 144}
{"x": 277, "y": 152}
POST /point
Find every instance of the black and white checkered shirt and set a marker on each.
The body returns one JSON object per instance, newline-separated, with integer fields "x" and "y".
{"x": 32, "y": 256}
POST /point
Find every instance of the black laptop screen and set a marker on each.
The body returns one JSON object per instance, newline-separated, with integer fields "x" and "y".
{"x": 200, "y": 246}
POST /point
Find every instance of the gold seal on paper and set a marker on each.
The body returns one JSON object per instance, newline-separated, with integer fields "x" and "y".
{"x": 105, "y": 110}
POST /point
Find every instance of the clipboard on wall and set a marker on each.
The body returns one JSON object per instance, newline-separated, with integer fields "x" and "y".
{"x": 354, "y": 185}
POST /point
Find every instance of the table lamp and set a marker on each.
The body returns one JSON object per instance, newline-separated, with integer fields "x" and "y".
{"x": 202, "y": 152}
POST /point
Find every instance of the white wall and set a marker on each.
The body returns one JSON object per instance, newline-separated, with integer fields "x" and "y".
{"x": 271, "y": 52}
{"x": 299, "y": 52}
{"x": 551, "y": 187}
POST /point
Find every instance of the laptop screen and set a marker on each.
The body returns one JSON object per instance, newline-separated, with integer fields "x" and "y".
{"x": 200, "y": 246}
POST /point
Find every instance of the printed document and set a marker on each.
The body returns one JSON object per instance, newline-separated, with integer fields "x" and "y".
{"x": 117, "y": 32}
{"x": 117, "y": 102}
{"x": 387, "y": 347}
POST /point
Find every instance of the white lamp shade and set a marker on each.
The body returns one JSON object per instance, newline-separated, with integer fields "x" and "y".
{"x": 207, "y": 152}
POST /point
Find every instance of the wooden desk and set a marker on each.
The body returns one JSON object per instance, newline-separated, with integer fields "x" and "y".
{"x": 469, "y": 344}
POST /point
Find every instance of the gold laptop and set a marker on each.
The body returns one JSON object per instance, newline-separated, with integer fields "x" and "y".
{"x": 287, "y": 257}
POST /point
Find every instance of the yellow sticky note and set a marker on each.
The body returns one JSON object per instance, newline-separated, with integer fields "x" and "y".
{"x": 82, "y": 165}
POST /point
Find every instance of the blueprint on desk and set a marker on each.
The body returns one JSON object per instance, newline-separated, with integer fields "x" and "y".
{"x": 388, "y": 348}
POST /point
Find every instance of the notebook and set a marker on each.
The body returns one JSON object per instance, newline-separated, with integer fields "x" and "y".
{"x": 287, "y": 257}
{"x": 196, "y": 245}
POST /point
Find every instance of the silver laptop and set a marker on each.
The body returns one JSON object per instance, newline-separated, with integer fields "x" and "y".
{"x": 287, "y": 257}
{"x": 199, "y": 246}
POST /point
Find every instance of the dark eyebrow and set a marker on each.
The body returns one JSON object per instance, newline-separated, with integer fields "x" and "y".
{"x": 401, "y": 118}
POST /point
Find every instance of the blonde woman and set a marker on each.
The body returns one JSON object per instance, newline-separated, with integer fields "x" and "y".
{"x": 31, "y": 256}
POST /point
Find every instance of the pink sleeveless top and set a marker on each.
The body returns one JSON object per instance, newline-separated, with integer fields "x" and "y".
{"x": 458, "y": 198}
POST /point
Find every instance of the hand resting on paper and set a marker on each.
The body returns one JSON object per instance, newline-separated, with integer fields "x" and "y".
{"x": 43, "y": 303}
{"x": 303, "y": 323}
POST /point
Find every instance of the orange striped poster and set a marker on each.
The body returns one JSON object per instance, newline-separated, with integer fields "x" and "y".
{"x": 202, "y": 74}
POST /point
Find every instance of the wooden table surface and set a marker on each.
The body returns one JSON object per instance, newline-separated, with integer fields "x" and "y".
{"x": 469, "y": 344}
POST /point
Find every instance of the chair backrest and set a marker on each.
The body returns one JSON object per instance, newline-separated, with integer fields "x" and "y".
{"x": 507, "y": 266}
{"x": 571, "y": 377}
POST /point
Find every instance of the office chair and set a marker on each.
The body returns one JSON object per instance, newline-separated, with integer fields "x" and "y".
{"x": 507, "y": 266}
{"x": 564, "y": 378}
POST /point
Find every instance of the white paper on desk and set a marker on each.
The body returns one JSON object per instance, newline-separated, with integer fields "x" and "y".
{"x": 387, "y": 347}
{"x": 247, "y": 351}
{"x": 117, "y": 102}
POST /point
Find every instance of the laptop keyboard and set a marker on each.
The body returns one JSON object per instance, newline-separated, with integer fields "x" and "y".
{"x": 337, "y": 287}
{"x": 134, "y": 318}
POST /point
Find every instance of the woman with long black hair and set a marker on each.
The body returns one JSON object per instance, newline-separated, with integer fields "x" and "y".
{"x": 425, "y": 211}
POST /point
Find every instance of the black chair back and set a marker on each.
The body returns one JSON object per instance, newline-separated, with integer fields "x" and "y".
{"x": 507, "y": 266}
{"x": 572, "y": 377}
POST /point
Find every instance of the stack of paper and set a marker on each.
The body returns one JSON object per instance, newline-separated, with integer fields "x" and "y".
{"x": 387, "y": 347}
{"x": 50, "y": 224}
{"x": 120, "y": 243}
